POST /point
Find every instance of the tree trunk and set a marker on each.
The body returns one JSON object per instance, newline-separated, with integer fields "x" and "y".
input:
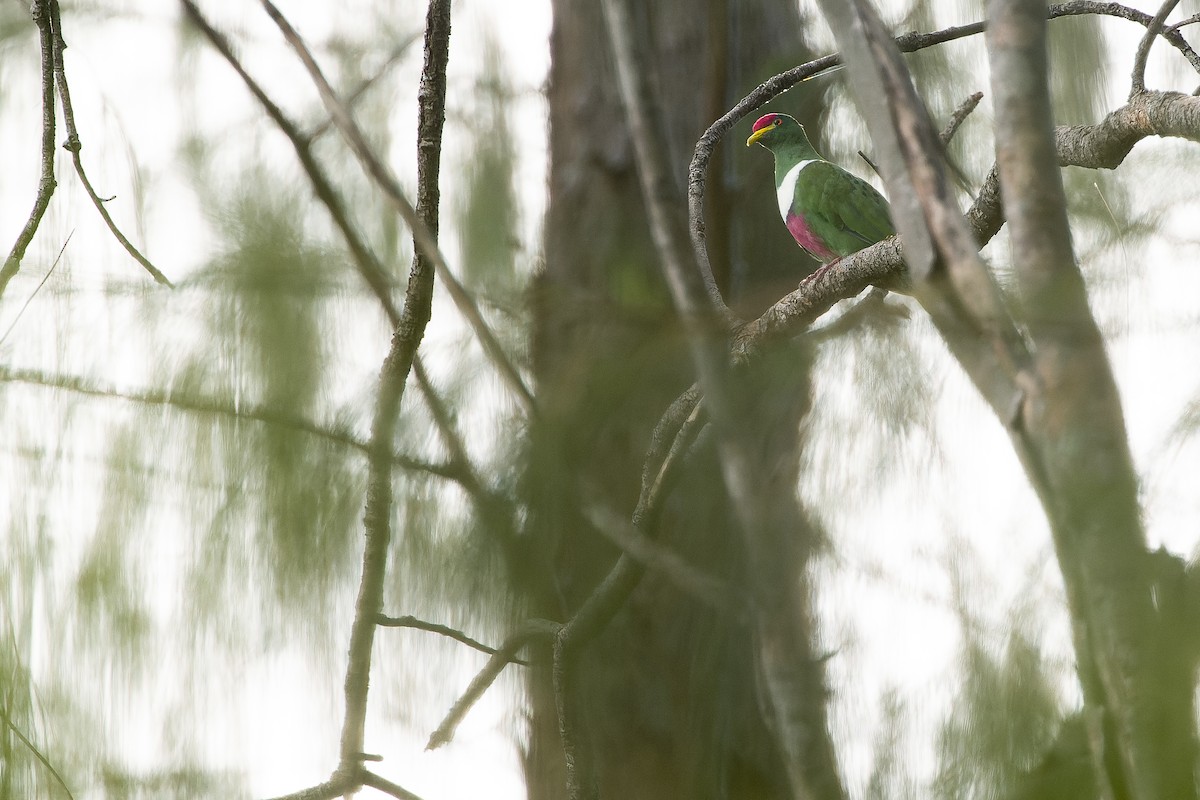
{"x": 669, "y": 689}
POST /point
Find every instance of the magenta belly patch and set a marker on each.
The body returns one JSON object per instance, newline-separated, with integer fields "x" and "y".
{"x": 805, "y": 237}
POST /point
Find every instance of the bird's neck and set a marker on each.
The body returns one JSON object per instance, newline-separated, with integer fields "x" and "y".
{"x": 789, "y": 155}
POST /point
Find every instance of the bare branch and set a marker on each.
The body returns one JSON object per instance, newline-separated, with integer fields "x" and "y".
{"x": 424, "y": 238}
{"x": 369, "y": 267}
{"x": 339, "y": 786}
{"x": 680, "y": 427}
{"x": 707, "y": 590}
{"x": 353, "y": 97}
{"x": 209, "y": 405}
{"x": 36, "y": 753}
{"x": 369, "y": 778}
{"x": 408, "y": 621}
{"x": 1138, "y": 81}
{"x": 74, "y": 145}
{"x": 531, "y": 630}
{"x": 46, "y": 184}
{"x": 1071, "y": 415}
{"x": 377, "y": 518}
{"x": 1192, "y": 20}
{"x": 959, "y": 116}
{"x": 17, "y": 317}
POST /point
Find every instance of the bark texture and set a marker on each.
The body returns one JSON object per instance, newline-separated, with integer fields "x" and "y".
{"x": 668, "y": 690}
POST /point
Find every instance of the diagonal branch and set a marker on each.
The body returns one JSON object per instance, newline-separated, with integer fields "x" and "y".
{"x": 507, "y": 654}
{"x": 672, "y": 439}
{"x": 37, "y": 753}
{"x": 73, "y": 145}
{"x": 369, "y": 267}
{"x": 424, "y": 239}
{"x": 46, "y": 184}
{"x": 369, "y": 778}
{"x": 409, "y": 621}
{"x": 356, "y": 94}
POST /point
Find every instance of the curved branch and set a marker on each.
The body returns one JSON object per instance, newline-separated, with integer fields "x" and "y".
{"x": 1138, "y": 81}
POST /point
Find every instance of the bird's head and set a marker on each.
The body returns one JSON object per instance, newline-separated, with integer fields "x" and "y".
{"x": 773, "y": 130}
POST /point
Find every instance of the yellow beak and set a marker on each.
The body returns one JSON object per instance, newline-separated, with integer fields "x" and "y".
{"x": 758, "y": 134}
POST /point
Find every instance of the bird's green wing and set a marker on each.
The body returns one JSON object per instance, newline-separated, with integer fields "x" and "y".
{"x": 843, "y": 209}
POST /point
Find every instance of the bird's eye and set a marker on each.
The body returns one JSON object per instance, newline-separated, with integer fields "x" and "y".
{"x": 776, "y": 122}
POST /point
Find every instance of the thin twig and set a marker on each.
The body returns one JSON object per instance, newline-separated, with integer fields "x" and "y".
{"x": 409, "y": 621}
{"x": 74, "y": 145}
{"x": 424, "y": 239}
{"x": 37, "y": 753}
{"x": 46, "y": 184}
{"x": 1138, "y": 80}
{"x": 208, "y": 405}
{"x": 37, "y": 289}
{"x": 369, "y": 267}
{"x": 531, "y": 630}
{"x": 444, "y": 422}
{"x": 959, "y": 116}
{"x": 692, "y": 581}
{"x": 351, "y": 99}
{"x": 1192, "y": 20}
{"x": 493, "y": 508}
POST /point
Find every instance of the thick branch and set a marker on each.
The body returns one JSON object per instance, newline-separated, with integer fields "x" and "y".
{"x": 1072, "y": 414}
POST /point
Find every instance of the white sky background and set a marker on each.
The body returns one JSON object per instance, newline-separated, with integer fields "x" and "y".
{"x": 887, "y": 608}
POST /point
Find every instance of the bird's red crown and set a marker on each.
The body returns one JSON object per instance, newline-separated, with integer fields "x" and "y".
{"x": 766, "y": 120}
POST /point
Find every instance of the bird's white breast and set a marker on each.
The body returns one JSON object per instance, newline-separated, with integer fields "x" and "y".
{"x": 787, "y": 187}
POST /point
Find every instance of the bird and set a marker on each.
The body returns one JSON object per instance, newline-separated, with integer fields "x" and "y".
{"x": 829, "y": 212}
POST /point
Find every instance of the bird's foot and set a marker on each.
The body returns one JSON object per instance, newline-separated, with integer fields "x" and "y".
{"x": 821, "y": 270}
